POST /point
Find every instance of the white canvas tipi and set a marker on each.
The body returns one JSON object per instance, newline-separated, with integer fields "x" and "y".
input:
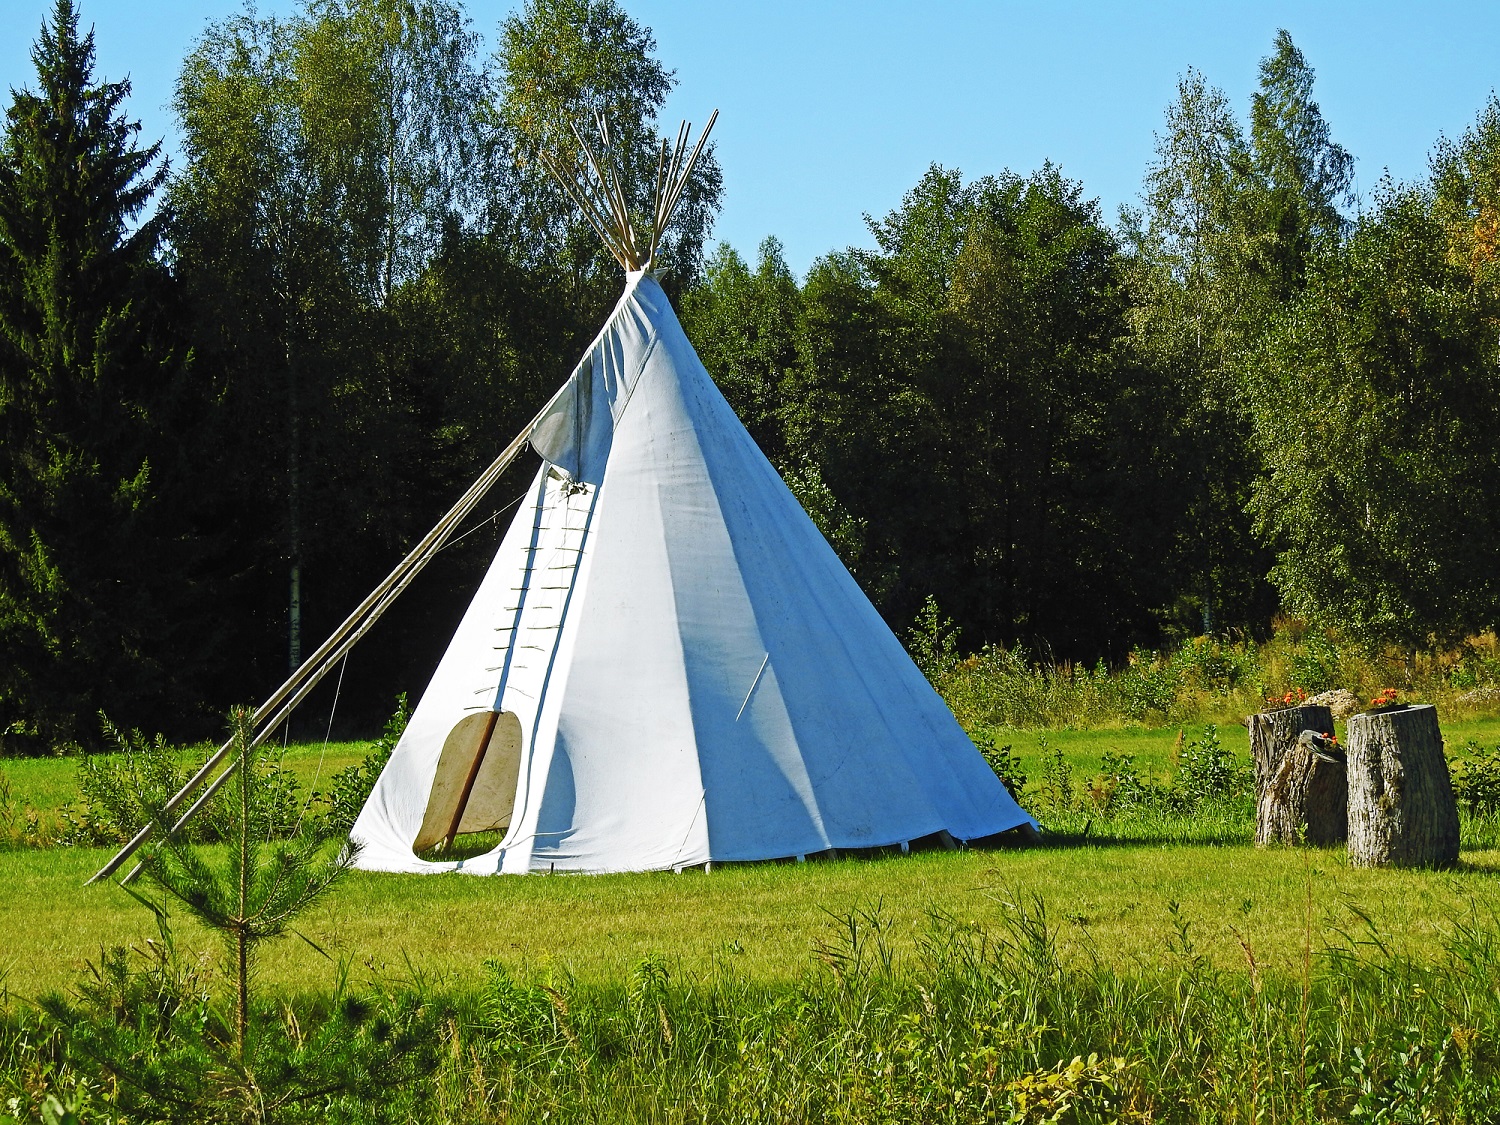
{"x": 682, "y": 669}
{"x": 666, "y": 664}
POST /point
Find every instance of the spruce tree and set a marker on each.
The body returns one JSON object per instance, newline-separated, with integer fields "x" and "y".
{"x": 81, "y": 361}
{"x": 1302, "y": 175}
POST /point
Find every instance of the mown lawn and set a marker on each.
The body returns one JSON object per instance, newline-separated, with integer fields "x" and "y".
{"x": 1108, "y": 896}
{"x": 1110, "y": 899}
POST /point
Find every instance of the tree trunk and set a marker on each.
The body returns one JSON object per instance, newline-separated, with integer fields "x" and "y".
{"x": 1401, "y": 807}
{"x": 294, "y": 520}
{"x": 1307, "y": 800}
{"x": 1274, "y": 733}
{"x": 242, "y": 993}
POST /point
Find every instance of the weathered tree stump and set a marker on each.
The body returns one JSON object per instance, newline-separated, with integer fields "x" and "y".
{"x": 1307, "y": 801}
{"x": 1274, "y": 733}
{"x": 1401, "y": 807}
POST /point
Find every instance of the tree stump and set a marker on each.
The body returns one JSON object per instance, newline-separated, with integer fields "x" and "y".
{"x": 1308, "y": 798}
{"x": 1401, "y": 807}
{"x": 1274, "y": 733}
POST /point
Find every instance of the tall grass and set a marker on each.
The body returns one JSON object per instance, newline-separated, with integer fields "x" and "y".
{"x": 981, "y": 1026}
{"x": 973, "y": 1024}
{"x": 1204, "y": 679}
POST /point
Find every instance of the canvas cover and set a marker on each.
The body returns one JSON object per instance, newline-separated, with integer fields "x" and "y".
{"x": 696, "y": 675}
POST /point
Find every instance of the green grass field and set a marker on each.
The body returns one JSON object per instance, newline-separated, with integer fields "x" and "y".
{"x": 768, "y": 918}
{"x": 48, "y": 783}
{"x": 1110, "y": 896}
{"x": 1188, "y": 981}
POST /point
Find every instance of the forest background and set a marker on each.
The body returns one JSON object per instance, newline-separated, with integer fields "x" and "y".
{"x": 233, "y": 392}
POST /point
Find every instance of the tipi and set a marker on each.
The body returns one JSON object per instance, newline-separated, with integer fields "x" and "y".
{"x": 666, "y": 664}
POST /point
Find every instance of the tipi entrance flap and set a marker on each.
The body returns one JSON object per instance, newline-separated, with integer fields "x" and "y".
{"x": 474, "y": 789}
{"x": 493, "y": 796}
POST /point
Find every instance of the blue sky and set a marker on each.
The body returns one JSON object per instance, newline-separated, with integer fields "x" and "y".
{"x": 829, "y": 110}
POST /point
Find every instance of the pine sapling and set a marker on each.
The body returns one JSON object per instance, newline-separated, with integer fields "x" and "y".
{"x": 263, "y": 885}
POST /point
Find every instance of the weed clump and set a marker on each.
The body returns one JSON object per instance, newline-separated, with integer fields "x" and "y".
{"x": 1476, "y": 779}
{"x": 1209, "y": 797}
{"x": 1006, "y": 766}
{"x": 351, "y": 786}
{"x": 22, "y": 824}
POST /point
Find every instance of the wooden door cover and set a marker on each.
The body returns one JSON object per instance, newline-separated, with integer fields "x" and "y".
{"x": 475, "y": 786}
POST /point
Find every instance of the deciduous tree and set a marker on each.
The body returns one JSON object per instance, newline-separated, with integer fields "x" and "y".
{"x": 561, "y": 62}
{"x": 1376, "y": 400}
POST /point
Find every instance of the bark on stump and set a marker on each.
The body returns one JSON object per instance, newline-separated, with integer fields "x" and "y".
{"x": 1274, "y": 733}
{"x": 1307, "y": 800}
{"x": 1401, "y": 807}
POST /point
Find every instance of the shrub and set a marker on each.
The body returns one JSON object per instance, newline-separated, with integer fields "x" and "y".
{"x": 1212, "y": 665}
{"x": 1146, "y": 685}
{"x": 1204, "y": 679}
{"x": 1055, "y": 792}
{"x": 1004, "y": 687}
{"x": 1121, "y": 789}
{"x": 1207, "y": 799}
{"x": 1318, "y": 664}
{"x": 1476, "y": 779}
{"x": 933, "y": 641}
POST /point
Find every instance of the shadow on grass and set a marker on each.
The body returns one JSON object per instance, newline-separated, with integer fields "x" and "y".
{"x": 1107, "y": 838}
{"x": 1486, "y": 865}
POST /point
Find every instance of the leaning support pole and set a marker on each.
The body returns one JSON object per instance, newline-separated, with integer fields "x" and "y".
{"x": 270, "y": 714}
